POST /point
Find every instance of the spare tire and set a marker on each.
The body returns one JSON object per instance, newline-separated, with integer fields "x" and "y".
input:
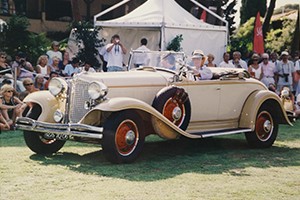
{"x": 174, "y": 104}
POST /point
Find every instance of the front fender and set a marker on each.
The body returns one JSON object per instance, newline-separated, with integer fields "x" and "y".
{"x": 47, "y": 102}
{"x": 255, "y": 101}
{"x": 160, "y": 124}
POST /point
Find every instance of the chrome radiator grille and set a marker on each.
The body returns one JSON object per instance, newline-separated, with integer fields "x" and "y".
{"x": 79, "y": 95}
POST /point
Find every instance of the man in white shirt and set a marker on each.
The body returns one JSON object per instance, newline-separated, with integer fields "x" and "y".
{"x": 87, "y": 68}
{"x": 225, "y": 63}
{"x": 237, "y": 61}
{"x": 141, "y": 58}
{"x": 115, "y": 52}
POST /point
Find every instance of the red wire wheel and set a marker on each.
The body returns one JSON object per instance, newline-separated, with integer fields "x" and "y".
{"x": 127, "y": 136}
{"x": 174, "y": 111}
{"x": 266, "y": 128}
{"x": 123, "y": 136}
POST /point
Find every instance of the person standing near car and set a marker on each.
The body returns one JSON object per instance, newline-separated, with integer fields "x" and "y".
{"x": 201, "y": 71}
{"x": 115, "y": 51}
{"x": 284, "y": 71}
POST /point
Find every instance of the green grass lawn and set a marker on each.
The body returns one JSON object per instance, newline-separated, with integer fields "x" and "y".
{"x": 214, "y": 168}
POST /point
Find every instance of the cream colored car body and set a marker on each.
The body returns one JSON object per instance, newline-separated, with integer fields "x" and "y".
{"x": 217, "y": 105}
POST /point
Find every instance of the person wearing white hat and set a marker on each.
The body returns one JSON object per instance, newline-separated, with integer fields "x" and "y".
{"x": 201, "y": 71}
{"x": 284, "y": 71}
{"x": 267, "y": 70}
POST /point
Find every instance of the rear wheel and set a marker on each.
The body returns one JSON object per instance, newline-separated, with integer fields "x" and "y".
{"x": 266, "y": 129}
{"x": 123, "y": 137}
{"x": 41, "y": 143}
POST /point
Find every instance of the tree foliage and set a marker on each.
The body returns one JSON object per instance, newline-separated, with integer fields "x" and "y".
{"x": 16, "y": 37}
{"x": 281, "y": 39}
{"x": 175, "y": 44}
{"x": 251, "y": 7}
{"x": 86, "y": 36}
{"x": 229, "y": 14}
{"x": 242, "y": 40}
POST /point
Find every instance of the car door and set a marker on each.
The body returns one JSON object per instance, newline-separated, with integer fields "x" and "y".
{"x": 204, "y": 97}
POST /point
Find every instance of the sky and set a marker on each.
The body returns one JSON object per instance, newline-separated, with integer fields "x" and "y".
{"x": 279, "y": 3}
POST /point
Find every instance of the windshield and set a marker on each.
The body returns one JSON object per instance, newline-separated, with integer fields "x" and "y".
{"x": 164, "y": 59}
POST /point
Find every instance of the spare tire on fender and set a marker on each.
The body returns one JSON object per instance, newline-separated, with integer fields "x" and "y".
{"x": 174, "y": 104}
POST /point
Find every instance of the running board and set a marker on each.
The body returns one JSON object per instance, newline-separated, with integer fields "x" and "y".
{"x": 221, "y": 132}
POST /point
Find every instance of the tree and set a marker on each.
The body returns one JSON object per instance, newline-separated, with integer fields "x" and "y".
{"x": 267, "y": 20}
{"x": 75, "y": 10}
{"x": 251, "y": 7}
{"x": 229, "y": 14}
{"x": 86, "y": 36}
{"x": 242, "y": 40}
{"x": 16, "y": 37}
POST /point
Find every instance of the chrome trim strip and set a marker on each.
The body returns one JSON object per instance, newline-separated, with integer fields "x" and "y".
{"x": 212, "y": 134}
{"x": 70, "y": 129}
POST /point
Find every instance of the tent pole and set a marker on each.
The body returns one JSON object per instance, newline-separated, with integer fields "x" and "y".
{"x": 209, "y": 11}
{"x": 109, "y": 9}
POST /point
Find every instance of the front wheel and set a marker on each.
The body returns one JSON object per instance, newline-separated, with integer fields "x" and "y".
{"x": 123, "y": 137}
{"x": 41, "y": 143}
{"x": 266, "y": 129}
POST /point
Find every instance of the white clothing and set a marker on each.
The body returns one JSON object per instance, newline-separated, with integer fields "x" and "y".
{"x": 240, "y": 64}
{"x": 226, "y": 65}
{"x": 91, "y": 69}
{"x": 52, "y": 54}
{"x": 103, "y": 53}
{"x": 257, "y": 72}
{"x": 115, "y": 56}
{"x": 44, "y": 70}
{"x": 282, "y": 69}
{"x": 141, "y": 58}
{"x": 205, "y": 73}
{"x": 268, "y": 73}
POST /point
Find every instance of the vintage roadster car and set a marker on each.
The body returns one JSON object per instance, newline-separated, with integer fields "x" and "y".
{"x": 119, "y": 109}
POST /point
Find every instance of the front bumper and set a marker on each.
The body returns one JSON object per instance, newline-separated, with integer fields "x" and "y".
{"x": 69, "y": 130}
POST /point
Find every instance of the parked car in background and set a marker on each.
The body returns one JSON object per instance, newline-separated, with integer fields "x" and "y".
{"x": 117, "y": 110}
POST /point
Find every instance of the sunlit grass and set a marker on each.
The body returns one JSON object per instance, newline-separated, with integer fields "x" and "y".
{"x": 213, "y": 168}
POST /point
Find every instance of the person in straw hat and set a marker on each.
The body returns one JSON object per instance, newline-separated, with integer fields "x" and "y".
{"x": 201, "y": 71}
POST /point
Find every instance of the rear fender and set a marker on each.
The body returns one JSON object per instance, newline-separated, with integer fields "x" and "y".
{"x": 255, "y": 101}
{"x": 47, "y": 101}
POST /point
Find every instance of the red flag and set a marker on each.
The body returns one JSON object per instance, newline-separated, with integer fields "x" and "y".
{"x": 203, "y": 15}
{"x": 258, "y": 40}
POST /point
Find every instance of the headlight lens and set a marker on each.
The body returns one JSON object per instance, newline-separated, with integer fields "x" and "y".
{"x": 58, "y": 116}
{"x": 56, "y": 86}
{"x": 97, "y": 90}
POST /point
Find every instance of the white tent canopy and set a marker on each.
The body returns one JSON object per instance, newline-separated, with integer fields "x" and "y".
{"x": 160, "y": 21}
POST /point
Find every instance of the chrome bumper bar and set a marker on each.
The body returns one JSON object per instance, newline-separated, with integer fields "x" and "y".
{"x": 70, "y": 130}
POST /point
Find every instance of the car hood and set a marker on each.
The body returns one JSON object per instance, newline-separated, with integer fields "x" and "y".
{"x": 128, "y": 78}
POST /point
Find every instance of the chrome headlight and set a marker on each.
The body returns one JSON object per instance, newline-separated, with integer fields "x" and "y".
{"x": 56, "y": 86}
{"x": 97, "y": 90}
{"x": 58, "y": 116}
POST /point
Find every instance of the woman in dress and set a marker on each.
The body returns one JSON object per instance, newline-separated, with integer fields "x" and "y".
{"x": 255, "y": 69}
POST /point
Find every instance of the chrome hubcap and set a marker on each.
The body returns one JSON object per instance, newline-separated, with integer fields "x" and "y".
{"x": 177, "y": 113}
{"x": 130, "y": 137}
{"x": 267, "y": 126}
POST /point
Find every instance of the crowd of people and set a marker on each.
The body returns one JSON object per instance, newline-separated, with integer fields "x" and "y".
{"x": 19, "y": 77}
